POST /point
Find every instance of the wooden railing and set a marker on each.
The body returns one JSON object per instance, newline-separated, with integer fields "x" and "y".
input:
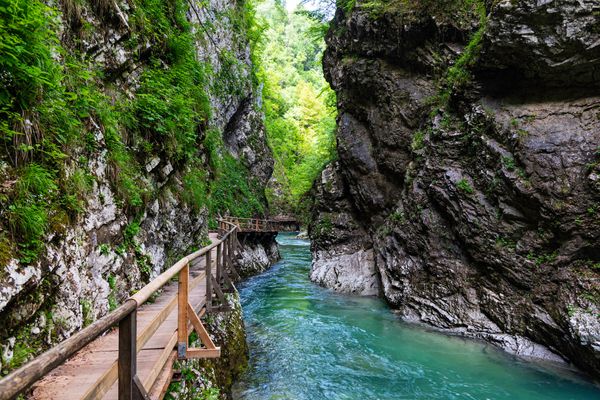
{"x": 129, "y": 385}
{"x": 261, "y": 225}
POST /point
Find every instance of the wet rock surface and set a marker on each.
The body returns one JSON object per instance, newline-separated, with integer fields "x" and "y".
{"x": 479, "y": 197}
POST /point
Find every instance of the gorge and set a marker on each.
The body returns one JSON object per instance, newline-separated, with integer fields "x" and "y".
{"x": 443, "y": 155}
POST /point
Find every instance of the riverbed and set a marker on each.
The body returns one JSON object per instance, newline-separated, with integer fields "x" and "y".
{"x": 307, "y": 342}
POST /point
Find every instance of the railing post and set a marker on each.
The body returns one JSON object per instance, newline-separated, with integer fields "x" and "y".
{"x": 225, "y": 264}
{"x": 127, "y": 356}
{"x": 182, "y": 336}
{"x": 209, "y": 292}
{"x": 219, "y": 263}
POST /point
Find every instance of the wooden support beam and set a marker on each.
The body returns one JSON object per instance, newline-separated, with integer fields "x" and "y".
{"x": 209, "y": 282}
{"x": 182, "y": 308}
{"x": 200, "y": 329}
{"x": 219, "y": 263}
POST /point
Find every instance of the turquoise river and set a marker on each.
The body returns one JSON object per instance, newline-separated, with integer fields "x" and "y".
{"x": 309, "y": 343}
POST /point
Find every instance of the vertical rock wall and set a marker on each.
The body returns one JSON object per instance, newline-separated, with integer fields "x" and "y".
{"x": 468, "y": 138}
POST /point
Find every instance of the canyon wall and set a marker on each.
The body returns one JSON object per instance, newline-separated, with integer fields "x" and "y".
{"x": 170, "y": 135}
{"x": 467, "y": 190}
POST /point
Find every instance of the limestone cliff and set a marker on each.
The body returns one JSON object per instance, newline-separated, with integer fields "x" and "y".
{"x": 467, "y": 186}
{"x": 166, "y": 132}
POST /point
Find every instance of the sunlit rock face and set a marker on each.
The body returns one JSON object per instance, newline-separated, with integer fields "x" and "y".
{"x": 257, "y": 252}
{"x": 478, "y": 188}
{"x": 87, "y": 270}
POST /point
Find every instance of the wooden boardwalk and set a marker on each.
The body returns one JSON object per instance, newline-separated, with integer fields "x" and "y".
{"x": 129, "y": 353}
{"x": 92, "y": 372}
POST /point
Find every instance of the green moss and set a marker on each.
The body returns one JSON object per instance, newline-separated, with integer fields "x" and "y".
{"x": 417, "y": 141}
{"x": 465, "y": 186}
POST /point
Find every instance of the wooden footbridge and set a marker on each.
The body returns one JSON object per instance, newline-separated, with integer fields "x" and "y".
{"x": 129, "y": 353}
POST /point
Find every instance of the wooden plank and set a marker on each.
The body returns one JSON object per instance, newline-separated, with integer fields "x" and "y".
{"x": 23, "y": 378}
{"x": 204, "y": 353}
{"x": 105, "y": 382}
{"x": 162, "y": 382}
{"x": 155, "y": 371}
{"x": 209, "y": 281}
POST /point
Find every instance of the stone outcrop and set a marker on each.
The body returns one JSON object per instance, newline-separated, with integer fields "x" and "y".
{"x": 469, "y": 166}
{"x": 257, "y": 253}
{"x": 110, "y": 251}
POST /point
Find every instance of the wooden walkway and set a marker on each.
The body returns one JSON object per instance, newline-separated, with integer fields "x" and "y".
{"x": 135, "y": 360}
{"x": 94, "y": 370}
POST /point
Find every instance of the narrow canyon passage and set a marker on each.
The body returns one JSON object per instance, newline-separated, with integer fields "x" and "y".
{"x": 307, "y": 342}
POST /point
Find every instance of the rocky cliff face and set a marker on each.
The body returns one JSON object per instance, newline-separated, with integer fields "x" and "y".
{"x": 257, "y": 253}
{"x": 116, "y": 243}
{"x": 469, "y": 167}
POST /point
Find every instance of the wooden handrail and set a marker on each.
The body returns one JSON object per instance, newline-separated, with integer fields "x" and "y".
{"x": 24, "y": 377}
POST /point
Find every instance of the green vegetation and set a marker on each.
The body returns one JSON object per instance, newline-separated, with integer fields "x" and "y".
{"x": 298, "y": 103}
{"x": 323, "y": 227}
{"x": 417, "y": 141}
{"x": 542, "y": 259}
{"x": 52, "y": 99}
{"x": 465, "y": 186}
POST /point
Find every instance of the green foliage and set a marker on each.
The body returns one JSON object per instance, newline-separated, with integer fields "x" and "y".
{"x": 398, "y": 217}
{"x": 170, "y": 105}
{"x": 509, "y": 163}
{"x": 234, "y": 191}
{"x": 87, "y": 312}
{"x": 195, "y": 188}
{"x": 465, "y": 186}
{"x": 417, "y": 141}
{"x": 458, "y": 13}
{"x": 104, "y": 249}
{"x": 459, "y": 75}
{"x": 323, "y": 228}
{"x": 130, "y": 232}
{"x": 28, "y": 69}
{"x": 299, "y": 105}
{"x": 542, "y": 259}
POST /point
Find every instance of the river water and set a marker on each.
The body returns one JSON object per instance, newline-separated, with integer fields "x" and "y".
{"x": 310, "y": 343}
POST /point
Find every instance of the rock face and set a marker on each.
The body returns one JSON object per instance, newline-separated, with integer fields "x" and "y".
{"x": 110, "y": 251}
{"x": 469, "y": 167}
{"x": 258, "y": 252}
